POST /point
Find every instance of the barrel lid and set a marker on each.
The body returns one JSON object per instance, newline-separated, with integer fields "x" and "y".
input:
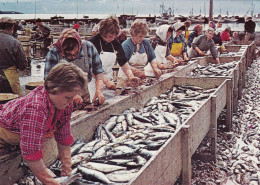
{"x": 32, "y": 85}
{"x": 8, "y": 96}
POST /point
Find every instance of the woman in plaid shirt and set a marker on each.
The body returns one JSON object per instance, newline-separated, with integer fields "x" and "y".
{"x": 44, "y": 112}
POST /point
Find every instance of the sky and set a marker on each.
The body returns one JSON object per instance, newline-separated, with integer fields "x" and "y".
{"x": 137, "y": 7}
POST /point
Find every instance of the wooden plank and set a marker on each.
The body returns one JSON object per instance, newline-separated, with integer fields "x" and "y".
{"x": 221, "y": 98}
{"x": 213, "y": 128}
{"x": 186, "y": 155}
{"x": 240, "y": 86}
{"x": 165, "y": 167}
{"x": 229, "y": 113}
{"x": 244, "y": 72}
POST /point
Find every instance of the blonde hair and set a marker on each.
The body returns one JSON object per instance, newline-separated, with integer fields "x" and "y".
{"x": 109, "y": 25}
{"x": 139, "y": 26}
{"x": 65, "y": 77}
{"x": 210, "y": 29}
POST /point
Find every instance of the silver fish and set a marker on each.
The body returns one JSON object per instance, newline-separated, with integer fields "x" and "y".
{"x": 90, "y": 174}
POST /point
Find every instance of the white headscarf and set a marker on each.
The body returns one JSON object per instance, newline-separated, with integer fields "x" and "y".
{"x": 162, "y": 32}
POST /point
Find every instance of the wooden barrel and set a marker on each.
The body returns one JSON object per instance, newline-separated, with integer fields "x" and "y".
{"x": 5, "y": 97}
{"x": 32, "y": 85}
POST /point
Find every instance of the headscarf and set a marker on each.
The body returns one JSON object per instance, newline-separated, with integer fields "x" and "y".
{"x": 162, "y": 32}
{"x": 68, "y": 33}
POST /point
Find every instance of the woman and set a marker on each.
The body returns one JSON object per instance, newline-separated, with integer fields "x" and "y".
{"x": 110, "y": 51}
{"x": 202, "y": 44}
{"x": 187, "y": 32}
{"x": 46, "y": 112}
{"x": 196, "y": 32}
{"x": 160, "y": 43}
{"x": 138, "y": 52}
{"x": 178, "y": 43}
{"x": 83, "y": 54}
{"x": 225, "y": 36}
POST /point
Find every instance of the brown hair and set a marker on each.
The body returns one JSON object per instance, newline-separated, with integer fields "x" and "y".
{"x": 139, "y": 26}
{"x": 109, "y": 25}
{"x": 65, "y": 77}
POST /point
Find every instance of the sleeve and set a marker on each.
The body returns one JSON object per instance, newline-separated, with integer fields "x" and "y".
{"x": 213, "y": 50}
{"x": 120, "y": 56}
{"x": 96, "y": 62}
{"x": 127, "y": 49}
{"x": 63, "y": 131}
{"x": 20, "y": 58}
{"x": 190, "y": 39}
{"x": 50, "y": 62}
{"x": 196, "y": 42}
{"x": 149, "y": 50}
{"x": 33, "y": 127}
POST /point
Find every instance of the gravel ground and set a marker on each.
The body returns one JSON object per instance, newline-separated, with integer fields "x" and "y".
{"x": 238, "y": 156}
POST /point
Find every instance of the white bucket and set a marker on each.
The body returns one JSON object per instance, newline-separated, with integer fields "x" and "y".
{"x": 37, "y": 67}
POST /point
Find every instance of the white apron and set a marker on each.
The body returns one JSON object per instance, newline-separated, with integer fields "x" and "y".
{"x": 108, "y": 60}
{"x": 137, "y": 60}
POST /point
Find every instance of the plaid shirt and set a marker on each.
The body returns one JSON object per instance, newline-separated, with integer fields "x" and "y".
{"x": 32, "y": 117}
{"x": 95, "y": 65}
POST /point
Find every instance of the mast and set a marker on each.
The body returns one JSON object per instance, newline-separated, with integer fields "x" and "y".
{"x": 204, "y": 9}
{"x": 35, "y": 9}
{"x": 211, "y": 10}
{"x": 77, "y": 9}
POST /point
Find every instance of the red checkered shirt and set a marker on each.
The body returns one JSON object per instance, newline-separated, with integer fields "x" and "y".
{"x": 32, "y": 117}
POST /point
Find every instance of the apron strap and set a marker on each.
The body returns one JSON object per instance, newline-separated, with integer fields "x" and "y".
{"x": 102, "y": 47}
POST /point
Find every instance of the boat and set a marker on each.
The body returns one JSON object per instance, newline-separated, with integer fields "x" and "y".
{"x": 10, "y": 12}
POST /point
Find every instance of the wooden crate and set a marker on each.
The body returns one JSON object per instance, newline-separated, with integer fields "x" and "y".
{"x": 236, "y": 75}
{"x": 173, "y": 158}
{"x": 250, "y": 54}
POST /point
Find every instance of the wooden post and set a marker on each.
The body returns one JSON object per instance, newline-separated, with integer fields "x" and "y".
{"x": 211, "y": 10}
{"x": 186, "y": 156}
{"x": 229, "y": 113}
{"x": 244, "y": 72}
{"x": 240, "y": 79}
{"x": 213, "y": 128}
{"x": 235, "y": 90}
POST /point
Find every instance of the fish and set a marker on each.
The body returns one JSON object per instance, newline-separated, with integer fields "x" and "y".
{"x": 111, "y": 123}
{"x": 141, "y": 118}
{"x": 67, "y": 180}
{"x": 90, "y": 174}
{"x": 104, "y": 168}
{"x": 80, "y": 157}
{"x": 121, "y": 176}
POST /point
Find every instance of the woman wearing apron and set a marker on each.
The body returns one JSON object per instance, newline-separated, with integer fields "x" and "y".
{"x": 160, "y": 43}
{"x": 138, "y": 52}
{"x": 178, "y": 43}
{"x": 202, "y": 44}
{"x": 83, "y": 54}
{"x": 111, "y": 51}
{"x": 46, "y": 112}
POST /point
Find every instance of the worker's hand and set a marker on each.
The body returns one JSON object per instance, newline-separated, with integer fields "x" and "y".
{"x": 100, "y": 96}
{"x": 65, "y": 158}
{"x": 186, "y": 58}
{"x": 157, "y": 73}
{"x": 99, "y": 93}
{"x": 134, "y": 82}
{"x": 201, "y": 53}
{"x": 77, "y": 100}
{"x": 160, "y": 66}
{"x": 138, "y": 73}
{"x": 110, "y": 85}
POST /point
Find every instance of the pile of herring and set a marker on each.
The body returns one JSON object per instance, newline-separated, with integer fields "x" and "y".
{"x": 213, "y": 70}
{"x": 125, "y": 142}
